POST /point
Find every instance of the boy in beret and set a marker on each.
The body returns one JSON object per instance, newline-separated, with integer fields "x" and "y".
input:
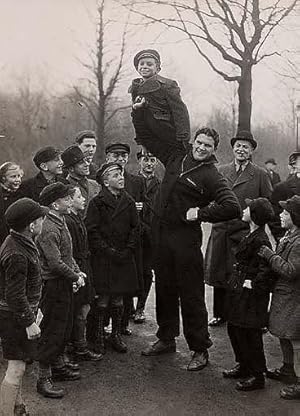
{"x": 61, "y": 275}
{"x": 165, "y": 114}
{"x": 284, "y": 317}
{"x": 20, "y": 291}
{"x": 49, "y": 163}
{"x": 84, "y": 296}
{"x": 248, "y": 299}
{"x": 113, "y": 227}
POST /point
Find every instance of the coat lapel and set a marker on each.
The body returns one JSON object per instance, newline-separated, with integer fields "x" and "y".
{"x": 122, "y": 204}
{"x": 245, "y": 176}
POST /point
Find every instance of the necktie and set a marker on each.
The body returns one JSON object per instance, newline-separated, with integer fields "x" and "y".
{"x": 239, "y": 171}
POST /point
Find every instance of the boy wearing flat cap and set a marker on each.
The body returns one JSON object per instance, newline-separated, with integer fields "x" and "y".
{"x": 164, "y": 113}
{"x": 248, "y": 299}
{"x": 61, "y": 275}
{"x": 284, "y": 320}
{"x": 49, "y": 163}
{"x": 20, "y": 291}
{"x": 113, "y": 231}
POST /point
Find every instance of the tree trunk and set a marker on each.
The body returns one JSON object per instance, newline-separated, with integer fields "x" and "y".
{"x": 245, "y": 98}
{"x": 100, "y": 133}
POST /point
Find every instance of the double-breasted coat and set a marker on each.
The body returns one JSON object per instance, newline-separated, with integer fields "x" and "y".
{"x": 285, "y": 306}
{"x": 113, "y": 232}
{"x": 169, "y": 115}
{"x": 253, "y": 182}
{"x": 248, "y": 308}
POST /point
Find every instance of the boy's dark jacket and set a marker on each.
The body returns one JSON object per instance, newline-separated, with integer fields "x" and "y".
{"x": 163, "y": 99}
{"x": 248, "y": 308}
{"x": 113, "y": 232}
{"x": 20, "y": 278}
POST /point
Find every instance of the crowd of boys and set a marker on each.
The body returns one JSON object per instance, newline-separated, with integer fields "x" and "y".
{"x": 80, "y": 242}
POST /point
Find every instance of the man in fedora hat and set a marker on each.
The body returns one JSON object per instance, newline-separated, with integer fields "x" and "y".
{"x": 270, "y": 165}
{"x": 247, "y": 180}
{"x": 78, "y": 168}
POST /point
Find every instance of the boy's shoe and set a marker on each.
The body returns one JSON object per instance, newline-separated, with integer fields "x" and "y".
{"x": 216, "y": 321}
{"x": 139, "y": 317}
{"x": 117, "y": 343}
{"x": 20, "y": 410}
{"x": 198, "y": 361}
{"x": 282, "y": 374}
{"x": 236, "y": 372}
{"x": 160, "y": 347}
{"x": 252, "y": 383}
{"x": 87, "y": 355}
{"x": 46, "y": 388}
{"x": 65, "y": 374}
{"x": 126, "y": 331}
{"x": 291, "y": 392}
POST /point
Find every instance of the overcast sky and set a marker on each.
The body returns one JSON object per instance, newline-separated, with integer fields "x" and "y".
{"x": 43, "y": 38}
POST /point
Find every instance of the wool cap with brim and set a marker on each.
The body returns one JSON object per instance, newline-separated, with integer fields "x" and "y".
{"x": 244, "y": 135}
{"x": 55, "y": 191}
{"x": 45, "y": 155}
{"x": 23, "y": 212}
{"x": 291, "y": 205}
{"x": 72, "y": 155}
{"x": 85, "y": 134}
{"x": 261, "y": 210}
{"x": 293, "y": 157}
{"x": 146, "y": 53}
{"x": 271, "y": 161}
{"x": 117, "y": 147}
{"x": 105, "y": 168}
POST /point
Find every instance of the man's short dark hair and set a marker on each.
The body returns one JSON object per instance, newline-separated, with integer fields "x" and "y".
{"x": 209, "y": 132}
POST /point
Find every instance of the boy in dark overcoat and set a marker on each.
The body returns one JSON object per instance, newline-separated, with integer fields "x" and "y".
{"x": 61, "y": 275}
{"x": 113, "y": 231}
{"x": 20, "y": 292}
{"x": 165, "y": 114}
{"x": 248, "y": 299}
{"x": 84, "y": 296}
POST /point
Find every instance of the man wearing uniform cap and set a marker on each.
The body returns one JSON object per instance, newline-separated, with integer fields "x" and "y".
{"x": 49, "y": 163}
{"x": 270, "y": 165}
{"x": 247, "y": 180}
{"x": 87, "y": 142}
{"x": 192, "y": 191}
{"x": 148, "y": 164}
{"x": 113, "y": 231}
{"x": 78, "y": 168}
{"x": 283, "y": 191}
{"x": 61, "y": 275}
{"x": 164, "y": 113}
{"x": 20, "y": 293}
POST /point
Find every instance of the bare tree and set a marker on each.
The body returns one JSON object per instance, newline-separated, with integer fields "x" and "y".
{"x": 231, "y": 35}
{"x": 98, "y": 99}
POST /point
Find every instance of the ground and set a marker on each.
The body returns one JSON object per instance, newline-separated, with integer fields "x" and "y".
{"x": 130, "y": 384}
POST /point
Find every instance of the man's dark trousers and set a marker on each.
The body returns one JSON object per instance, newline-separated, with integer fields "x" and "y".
{"x": 179, "y": 275}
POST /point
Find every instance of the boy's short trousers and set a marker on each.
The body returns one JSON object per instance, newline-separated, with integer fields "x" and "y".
{"x": 15, "y": 344}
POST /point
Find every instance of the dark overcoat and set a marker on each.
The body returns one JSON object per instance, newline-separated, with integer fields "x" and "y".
{"x": 6, "y": 199}
{"x": 167, "y": 109}
{"x": 248, "y": 308}
{"x": 285, "y": 305}
{"x": 82, "y": 256}
{"x": 32, "y": 187}
{"x": 282, "y": 191}
{"x": 113, "y": 224}
{"x": 254, "y": 182}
